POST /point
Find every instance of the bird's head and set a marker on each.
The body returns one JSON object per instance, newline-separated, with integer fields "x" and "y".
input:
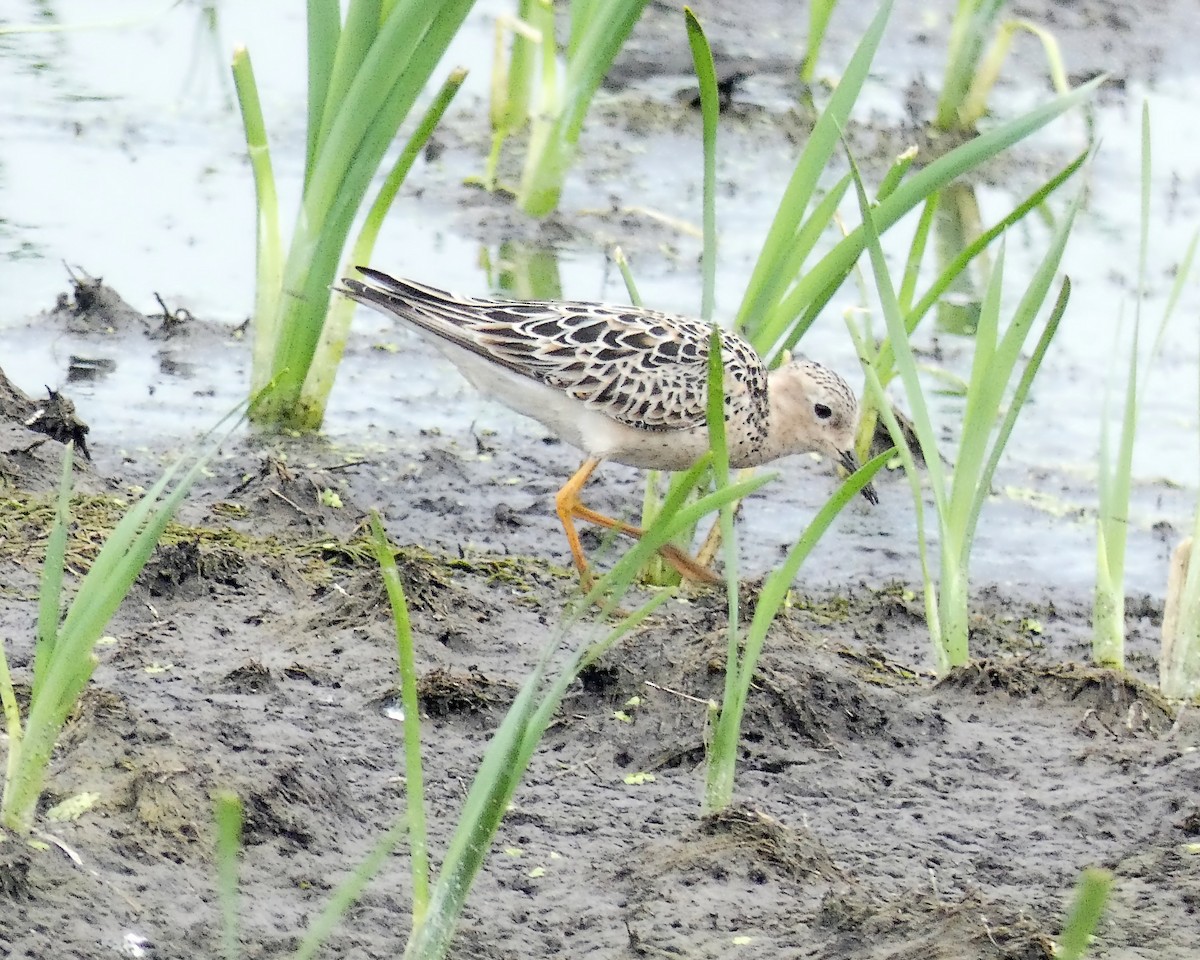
{"x": 828, "y": 417}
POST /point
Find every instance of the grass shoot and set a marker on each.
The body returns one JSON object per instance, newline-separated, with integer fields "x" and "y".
{"x": 785, "y": 294}
{"x": 227, "y": 813}
{"x": 414, "y": 777}
{"x": 915, "y": 309}
{"x": 819, "y": 12}
{"x": 958, "y": 498}
{"x": 599, "y": 28}
{"x": 513, "y": 76}
{"x": 971, "y": 74}
{"x": 1116, "y": 466}
{"x": 1091, "y": 894}
{"x": 741, "y": 659}
{"x": 364, "y": 77}
{"x": 63, "y": 654}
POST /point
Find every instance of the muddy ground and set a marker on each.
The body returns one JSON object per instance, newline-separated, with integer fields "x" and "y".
{"x": 882, "y": 813}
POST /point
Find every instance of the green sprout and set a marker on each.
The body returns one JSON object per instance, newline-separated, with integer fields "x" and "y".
{"x": 63, "y": 656}
{"x": 819, "y": 12}
{"x": 971, "y": 74}
{"x": 959, "y": 497}
{"x": 599, "y": 28}
{"x": 1091, "y": 893}
{"x": 785, "y": 294}
{"x": 364, "y": 77}
{"x": 1116, "y": 467}
{"x": 742, "y": 654}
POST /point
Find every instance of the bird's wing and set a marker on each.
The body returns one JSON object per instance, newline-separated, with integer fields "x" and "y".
{"x": 640, "y": 367}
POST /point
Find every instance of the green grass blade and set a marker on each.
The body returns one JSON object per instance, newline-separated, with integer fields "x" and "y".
{"x": 905, "y": 360}
{"x": 349, "y": 890}
{"x": 819, "y": 12}
{"x": 1185, "y": 265}
{"x": 589, "y": 655}
{"x": 1109, "y": 610}
{"x": 948, "y": 649}
{"x": 722, "y": 759}
{"x": 324, "y": 33}
{"x": 622, "y": 263}
{"x": 605, "y": 32}
{"x": 719, "y": 765}
{"x": 404, "y": 163}
{"x": 972, "y": 483}
{"x": 363, "y": 18}
{"x": 894, "y": 176}
{"x": 268, "y": 244}
{"x": 991, "y": 373}
{"x": 500, "y": 772}
{"x": 780, "y": 580}
{"x": 972, "y": 23}
{"x": 408, "y": 47}
{"x": 916, "y": 253}
{"x": 70, "y": 650}
{"x": 974, "y": 104}
{"x": 883, "y": 405}
{"x": 400, "y": 169}
{"x": 520, "y": 75}
{"x": 985, "y": 395}
{"x": 487, "y": 800}
{"x": 68, "y": 670}
{"x": 956, "y": 266}
{"x": 1091, "y": 893}
{"x": 555, "y": 135}
{"x": 1015, "y": 405}
{"x": 1112, "y": 521}
{"x": 807, "y": 236}
{"x": 766, "y": 282}
{"x": 583, "y": 12}
{"x": 332, "y": 344}
{"x": 414, "y": 777}
{"x": 810, "y": 294}
{"x": 227, "y": 811}
{"x": 673, "y": 519}
{"x": 706, "y": 75}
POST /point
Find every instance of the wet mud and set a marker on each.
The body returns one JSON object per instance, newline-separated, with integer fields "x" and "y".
{"x": 881, "y": 812}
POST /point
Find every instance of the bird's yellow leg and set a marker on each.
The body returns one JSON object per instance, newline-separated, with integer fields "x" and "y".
{"x": 569, "y": 507}
{"x": 566, "y": 503}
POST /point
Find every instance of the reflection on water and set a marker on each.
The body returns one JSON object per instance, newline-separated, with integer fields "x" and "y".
{"x": 957, "y": 224}
{"x": 524, "y": 271}
{"x": 88, "y": 369}
{"x": 122, "y": 154}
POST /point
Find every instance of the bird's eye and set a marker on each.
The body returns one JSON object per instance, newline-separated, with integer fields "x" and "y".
{"x": 823, "y": 411}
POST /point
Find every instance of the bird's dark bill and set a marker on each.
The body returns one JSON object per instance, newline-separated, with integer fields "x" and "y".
{"x": 850, "y": 462}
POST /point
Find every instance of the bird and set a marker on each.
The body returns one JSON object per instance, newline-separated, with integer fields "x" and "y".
{"x": 623, "y": 384}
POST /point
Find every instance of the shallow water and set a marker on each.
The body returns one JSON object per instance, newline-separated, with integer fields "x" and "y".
{"x": 125, "y": 157}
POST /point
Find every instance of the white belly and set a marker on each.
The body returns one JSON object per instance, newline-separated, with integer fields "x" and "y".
{"x": 574, "y": 422}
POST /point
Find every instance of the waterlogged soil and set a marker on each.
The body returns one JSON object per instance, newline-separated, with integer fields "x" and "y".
{"x": 880, "y": 812}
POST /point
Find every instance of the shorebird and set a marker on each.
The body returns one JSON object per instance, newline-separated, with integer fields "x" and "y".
{"x": 623, "y": 384}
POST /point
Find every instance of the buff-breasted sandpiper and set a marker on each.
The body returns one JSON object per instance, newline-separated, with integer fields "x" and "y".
{"x": 624, "y": 384}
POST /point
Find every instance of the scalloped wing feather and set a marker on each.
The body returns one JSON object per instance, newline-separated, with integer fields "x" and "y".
{"x": 643, "y": 368}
